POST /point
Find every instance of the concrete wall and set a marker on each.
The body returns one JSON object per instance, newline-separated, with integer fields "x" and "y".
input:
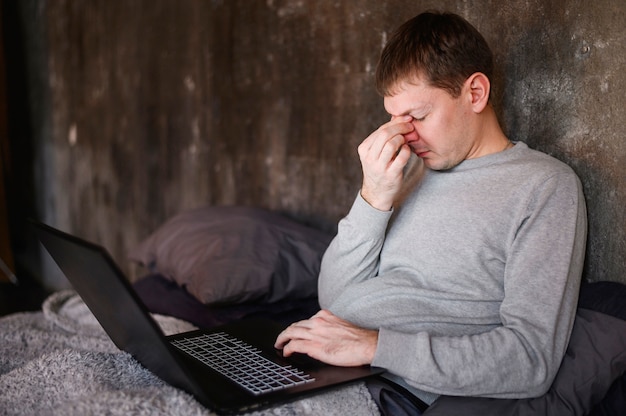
{"x": 143, "y": 108}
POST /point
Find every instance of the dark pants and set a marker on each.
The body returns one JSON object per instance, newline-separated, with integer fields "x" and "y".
{"x": 394, "y": 400}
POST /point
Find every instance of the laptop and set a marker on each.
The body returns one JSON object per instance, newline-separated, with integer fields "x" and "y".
{"x": 206, "y": 363}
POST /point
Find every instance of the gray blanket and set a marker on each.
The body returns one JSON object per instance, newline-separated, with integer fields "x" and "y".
{"x": 60, "y": 362}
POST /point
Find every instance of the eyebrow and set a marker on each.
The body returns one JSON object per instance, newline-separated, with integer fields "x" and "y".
{"x": 425, "y": 108}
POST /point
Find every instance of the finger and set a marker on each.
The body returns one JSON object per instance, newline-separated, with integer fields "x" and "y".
{"x": 309, "y": 348}
{"x": 401, "y": 158}
{"x": 281, "y": 340}
{"x": 397, "y": 125}
{"x": 298, "y": 330}
{"x": 284, "y": 338}
{"x": 390, "y": 129}
{"x": 390, "y": 149}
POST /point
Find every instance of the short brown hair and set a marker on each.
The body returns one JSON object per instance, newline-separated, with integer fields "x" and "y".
{"x": 442, "y": 48}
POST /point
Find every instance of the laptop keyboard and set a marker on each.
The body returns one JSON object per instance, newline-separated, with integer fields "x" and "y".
{"x": 241, "y": 363}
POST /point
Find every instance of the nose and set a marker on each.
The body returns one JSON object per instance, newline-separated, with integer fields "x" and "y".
{"x": 412, "y": 136}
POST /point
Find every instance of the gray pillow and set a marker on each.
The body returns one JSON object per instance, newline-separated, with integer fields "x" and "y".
{"x": 595, "y": 357}
{"x": 236, "y": 254}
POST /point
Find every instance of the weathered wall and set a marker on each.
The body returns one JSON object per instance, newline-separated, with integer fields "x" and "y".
{"x": 155, "y": 106}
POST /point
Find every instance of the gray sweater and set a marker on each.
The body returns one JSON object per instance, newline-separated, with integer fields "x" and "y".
{"x": 472, "y": 279}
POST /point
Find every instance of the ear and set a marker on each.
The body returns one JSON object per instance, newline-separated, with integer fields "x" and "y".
{"x": 478, "y": 87}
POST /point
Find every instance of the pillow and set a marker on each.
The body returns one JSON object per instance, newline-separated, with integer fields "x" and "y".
{"x": 165, "y": 297}
{"x": 236, "y": 254}
{"x": 595, "y": 357}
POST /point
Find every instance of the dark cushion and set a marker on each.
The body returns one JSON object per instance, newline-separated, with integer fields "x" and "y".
{"x": 595, "y": 357}
{"x": 604, "y": 296}
{"x": 165, "y": 297}
{"x": 226, "y": 255}
{"x": 614, "y": 403}
{"x": 609, "y": 298}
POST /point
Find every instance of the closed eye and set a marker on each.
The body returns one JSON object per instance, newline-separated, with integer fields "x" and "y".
{"x": 421, "y": 114}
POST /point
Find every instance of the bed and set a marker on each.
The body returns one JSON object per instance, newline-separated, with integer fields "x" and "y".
{"x": 211, "y": 265}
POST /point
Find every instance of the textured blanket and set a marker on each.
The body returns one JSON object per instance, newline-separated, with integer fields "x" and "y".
{"x": 60, "y": 362}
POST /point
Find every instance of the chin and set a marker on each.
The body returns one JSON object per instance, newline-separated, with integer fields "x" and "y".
{"x": 438, "y": 164}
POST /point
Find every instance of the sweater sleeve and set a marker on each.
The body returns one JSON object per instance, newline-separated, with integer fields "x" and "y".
{"x": 521, "y": 357}
{"x": 353, "y": 255}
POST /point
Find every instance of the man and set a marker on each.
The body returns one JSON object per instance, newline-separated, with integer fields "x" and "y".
{"x": 457, "y": 268}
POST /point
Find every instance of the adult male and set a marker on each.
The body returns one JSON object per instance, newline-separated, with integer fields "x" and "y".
{"x": 458, "y": 266}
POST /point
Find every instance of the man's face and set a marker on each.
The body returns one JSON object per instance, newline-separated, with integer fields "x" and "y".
{"x": 441, "y": 135}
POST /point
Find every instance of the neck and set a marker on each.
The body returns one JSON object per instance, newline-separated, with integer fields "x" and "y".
{"x": 491, "y": 139}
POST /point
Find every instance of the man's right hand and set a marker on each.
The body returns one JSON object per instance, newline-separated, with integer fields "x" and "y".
{"x": 384, "y": 154}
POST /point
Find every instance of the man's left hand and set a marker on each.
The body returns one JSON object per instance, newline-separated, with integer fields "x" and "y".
{"x": 329, "y": 339}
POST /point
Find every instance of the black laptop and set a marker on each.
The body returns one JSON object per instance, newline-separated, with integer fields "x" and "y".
{"x": 230, "y": 369}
